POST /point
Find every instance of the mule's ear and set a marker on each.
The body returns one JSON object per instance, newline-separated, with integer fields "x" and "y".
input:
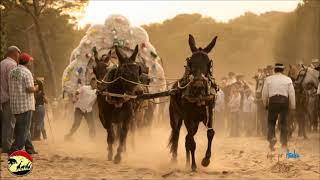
{"x": 135, "y": 53}
{"x": 211, "y": 45}
{"x": 192, "y": 44}
{"x": 119, "y": 54}
{"x": 109, "y": 55}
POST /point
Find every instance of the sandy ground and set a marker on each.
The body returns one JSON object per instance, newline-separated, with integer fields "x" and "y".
{"x": 149, "y": 158}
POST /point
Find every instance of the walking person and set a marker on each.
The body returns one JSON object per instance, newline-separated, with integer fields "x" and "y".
{"x": 278, "y": 96}
{"x": 7, "y": 118}
{"x": 22, "y": 103}
{"x": 85, "y": 99}
{"x": 40, "y": 112}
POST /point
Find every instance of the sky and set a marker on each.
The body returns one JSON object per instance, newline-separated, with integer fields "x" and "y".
{"x": 145, "y": 12}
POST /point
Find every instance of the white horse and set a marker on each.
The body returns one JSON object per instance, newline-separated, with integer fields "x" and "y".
{"x": 306, "y": 81}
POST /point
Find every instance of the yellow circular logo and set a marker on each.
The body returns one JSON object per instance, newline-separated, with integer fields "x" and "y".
{"x": 20, "y": 163}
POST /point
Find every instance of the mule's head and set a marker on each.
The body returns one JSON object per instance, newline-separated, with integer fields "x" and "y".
{"x": 100, "y": 68}
{"x": 294, "y": 71}
{"x": 130, "y": 71}
{"x": 199, "y": 65}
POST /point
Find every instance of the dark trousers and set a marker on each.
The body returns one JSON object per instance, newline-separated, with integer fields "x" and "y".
{"x": 275, "y": 110}
{"x": 22, "y": 132}
{"x": 7, "y": 126}
{"x": 38, "y": 123}
{"x": 78, "y": 115}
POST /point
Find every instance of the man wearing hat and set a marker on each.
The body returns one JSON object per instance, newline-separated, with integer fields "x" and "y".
{"x": 7, "y": 119}
{"x": 22, "y": 103}
{"x": 278, "y": 96}
{"x": 231, "y": 78}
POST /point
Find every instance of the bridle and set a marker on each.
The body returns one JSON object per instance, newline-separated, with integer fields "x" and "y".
{"x": 301, "y": 76}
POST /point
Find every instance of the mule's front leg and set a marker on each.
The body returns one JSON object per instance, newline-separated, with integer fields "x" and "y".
{"x": 206, "y": 160}
{"x": 191, "y": 146}
{"x": 210, "y": 133}
{"x": 123, "y": 137}
{"x": 110, "y": 140}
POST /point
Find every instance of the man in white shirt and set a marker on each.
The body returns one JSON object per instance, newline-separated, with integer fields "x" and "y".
{"x": 84, "y": 100}
{"x": 278, "y": 96}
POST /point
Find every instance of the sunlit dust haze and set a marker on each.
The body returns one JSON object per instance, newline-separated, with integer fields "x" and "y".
{"x": 145, "y": 12}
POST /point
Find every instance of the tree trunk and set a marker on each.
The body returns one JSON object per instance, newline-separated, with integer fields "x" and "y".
{"x": 46, "y": 57}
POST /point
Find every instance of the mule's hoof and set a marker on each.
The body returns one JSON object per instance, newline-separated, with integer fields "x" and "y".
{"x": 205, "y": 162}
{"x": 117, "y": 159}
{"x": 194, "y": 168}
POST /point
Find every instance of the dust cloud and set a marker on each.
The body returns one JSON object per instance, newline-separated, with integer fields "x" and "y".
{"x": 147, "y": 156}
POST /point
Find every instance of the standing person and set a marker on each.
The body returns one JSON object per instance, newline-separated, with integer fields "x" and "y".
{"x": 7, "y": 118}
{"x": 219, "y": 110}
{"x": 261, "y": 111}
{"x": 234, "y": 108}
{"x": 21, "y": 92}
{"x": 248, "y": 109}
{"x": 40, "y": 111}
{"x": 84, "y": 101}
{"x": 231, "y": 78}
{"x": 278, "y": 96}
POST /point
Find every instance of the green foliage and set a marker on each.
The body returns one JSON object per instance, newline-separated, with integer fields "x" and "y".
{"x": 61, "y": 37}
{"x": 246, "y": 41}
{"x": 299, "y": 36}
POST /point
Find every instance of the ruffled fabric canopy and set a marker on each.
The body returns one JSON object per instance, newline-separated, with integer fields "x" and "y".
{"x": 116, "y": 30}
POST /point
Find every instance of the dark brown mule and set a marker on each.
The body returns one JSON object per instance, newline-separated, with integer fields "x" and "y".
{"x": 117, "y": 110}
{"x": 193, "y": 103}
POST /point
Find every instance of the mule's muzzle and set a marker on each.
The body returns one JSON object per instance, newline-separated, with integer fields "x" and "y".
{"x": 138, "y": 90}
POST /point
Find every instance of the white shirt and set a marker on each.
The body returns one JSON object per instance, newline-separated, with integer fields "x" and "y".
{"x": 278, "y": 84}
{"x": 231, "y": 81}
{"x": 318, "y": 91}
{"x": 234, "y": 103}
{"x": 87, "y": 97}
{"x": 248, "y": 104}
{"x": 220, "y": 101}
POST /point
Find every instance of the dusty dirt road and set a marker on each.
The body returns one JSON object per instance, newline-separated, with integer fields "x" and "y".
{"x": 233, "y": 158}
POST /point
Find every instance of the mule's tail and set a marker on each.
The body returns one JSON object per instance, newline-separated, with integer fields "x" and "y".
{"x": 175, "y": 122}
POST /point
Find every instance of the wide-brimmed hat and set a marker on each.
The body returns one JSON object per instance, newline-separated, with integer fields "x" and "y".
{"x": 279, "y": 66}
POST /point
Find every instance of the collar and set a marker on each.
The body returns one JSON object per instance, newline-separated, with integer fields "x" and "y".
{"x": 24, "y": 67}
{"x": 10, "y": 59}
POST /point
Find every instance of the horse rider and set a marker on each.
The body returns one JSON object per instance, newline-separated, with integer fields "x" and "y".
{"x": 278, "y": 96}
